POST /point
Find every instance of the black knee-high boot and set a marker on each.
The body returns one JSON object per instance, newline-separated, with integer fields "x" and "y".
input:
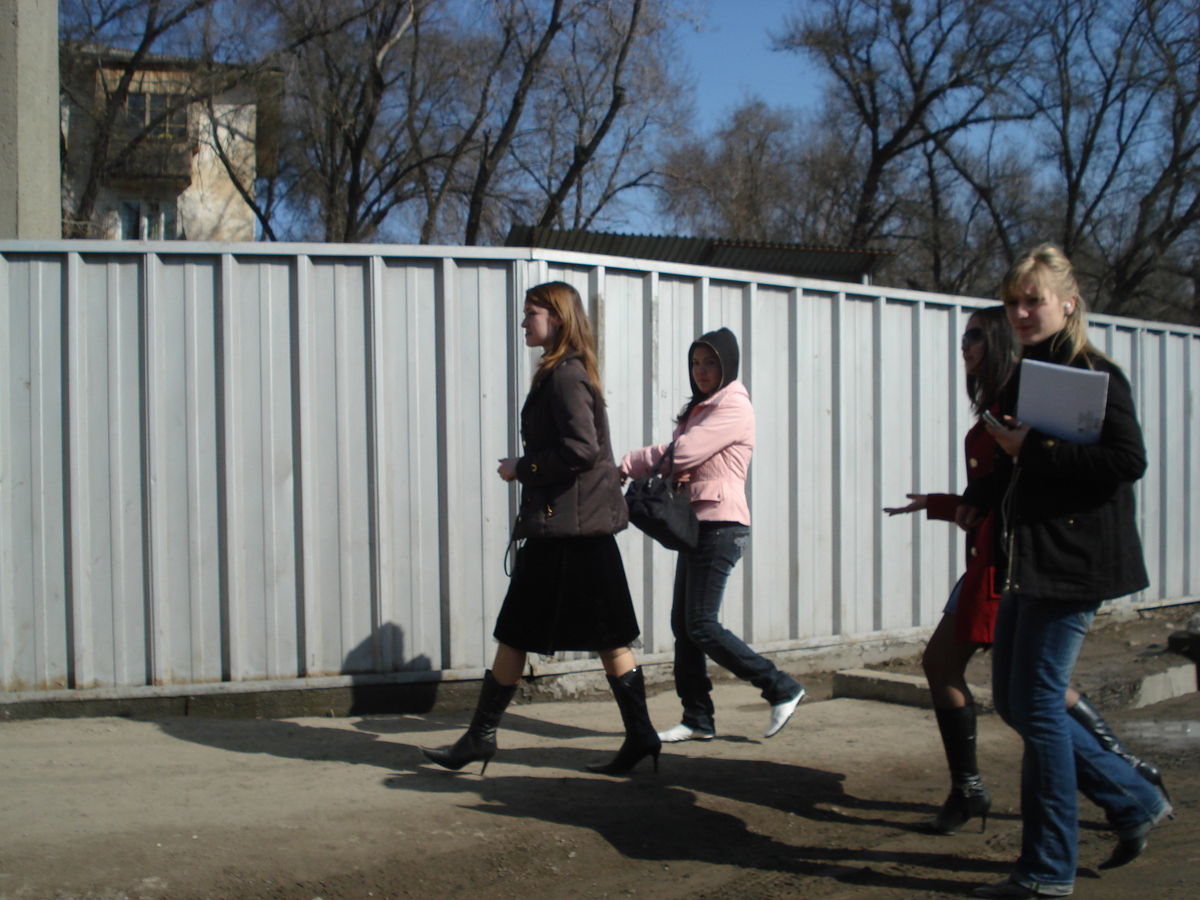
{"x": 968, "y": 796}
{"x": 1086, "y": 715}
{"x": 480, "y": 740}
{"x": 641, "y": 740}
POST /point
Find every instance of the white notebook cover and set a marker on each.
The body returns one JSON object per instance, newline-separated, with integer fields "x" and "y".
{"x": 1063, "y": 401}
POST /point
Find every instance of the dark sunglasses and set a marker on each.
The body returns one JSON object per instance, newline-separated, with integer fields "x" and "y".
{"x": 971, "y": 337}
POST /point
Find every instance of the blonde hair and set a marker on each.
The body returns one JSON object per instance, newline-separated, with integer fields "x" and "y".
{"x": 1051, "y": 268}
{"x": 574, "y": 334}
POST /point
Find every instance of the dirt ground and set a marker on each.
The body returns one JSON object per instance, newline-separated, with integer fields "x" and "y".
{"x": 183, "y": 808}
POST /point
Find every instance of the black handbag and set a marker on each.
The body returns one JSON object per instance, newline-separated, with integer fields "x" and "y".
{"x": 659, "y": 510}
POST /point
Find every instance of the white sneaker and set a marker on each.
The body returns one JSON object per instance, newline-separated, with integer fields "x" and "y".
{"x": 781, "y": 712}
{"x": 681, "y": 732}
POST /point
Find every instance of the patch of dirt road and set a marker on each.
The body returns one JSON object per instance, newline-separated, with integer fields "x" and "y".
{"x": 191, "y": 808}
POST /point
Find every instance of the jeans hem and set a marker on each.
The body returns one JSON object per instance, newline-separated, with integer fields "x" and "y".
{"x": 1143, "y": 828}
{"x": 1043, "y": 888}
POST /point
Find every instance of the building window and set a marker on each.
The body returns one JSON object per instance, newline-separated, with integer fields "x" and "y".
{"x": 147, "y": 220}
{"x": 141, "y": 109}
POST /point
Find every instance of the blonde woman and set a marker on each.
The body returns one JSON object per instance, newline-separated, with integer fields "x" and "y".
{"x": 1066, "y": 540}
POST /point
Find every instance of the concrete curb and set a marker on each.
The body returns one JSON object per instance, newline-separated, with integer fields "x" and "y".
{"x": 894, "y": 687}
{"x": 912, "y": 690}
{"x": 1172, "y": 682}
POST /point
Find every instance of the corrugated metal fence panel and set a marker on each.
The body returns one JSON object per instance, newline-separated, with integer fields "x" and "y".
{"x": 333, "y": 410}
{"x": 261, "y": 463}
{"x": 478, "y": 348}
{"x": 764, "y": 334}
{"x": 815, "y": 571}
{"x": 35, "y": 649}
{"x": 183, "y": 446}
{"x": 106, "y": 501}
{"x": 235, "y": 463}
{"x": 406, "y": 424}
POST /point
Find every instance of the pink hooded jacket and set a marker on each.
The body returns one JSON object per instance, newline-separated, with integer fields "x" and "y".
{"x": 713, "y": 447}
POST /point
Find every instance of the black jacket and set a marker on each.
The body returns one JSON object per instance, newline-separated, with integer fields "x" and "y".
{"x": 1067, "y": 529}
{"x": 570, "y": 486}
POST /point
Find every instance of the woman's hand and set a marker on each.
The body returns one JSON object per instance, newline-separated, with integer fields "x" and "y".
{"x": 1011, "y": 438}
{"x": 967, "y": 517}
{"x": 508, "y": 468}
{"x": 918, "y": 502}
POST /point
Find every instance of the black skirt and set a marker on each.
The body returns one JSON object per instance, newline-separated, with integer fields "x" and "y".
{"x": 567, "y": 594}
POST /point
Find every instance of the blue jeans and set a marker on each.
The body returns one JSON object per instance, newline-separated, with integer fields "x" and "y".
{"x": 1036, "y": 644}
{"x": 700, "y": 578}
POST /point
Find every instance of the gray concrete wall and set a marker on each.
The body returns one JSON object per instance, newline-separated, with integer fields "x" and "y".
{"x": 30, "y": 207}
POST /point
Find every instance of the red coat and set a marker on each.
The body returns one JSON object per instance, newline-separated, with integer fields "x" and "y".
{"x": 977, "y": 598}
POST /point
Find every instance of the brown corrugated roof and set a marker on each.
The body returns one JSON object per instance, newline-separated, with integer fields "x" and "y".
{"x": 833, "y": 263}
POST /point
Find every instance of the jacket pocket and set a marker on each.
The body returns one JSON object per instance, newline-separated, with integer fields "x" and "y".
{"x": 1071, "y": 553}
{"x": 706, "y": 491}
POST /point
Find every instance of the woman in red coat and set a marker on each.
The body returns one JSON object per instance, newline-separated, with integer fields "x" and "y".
{"x": 990, "y": 355}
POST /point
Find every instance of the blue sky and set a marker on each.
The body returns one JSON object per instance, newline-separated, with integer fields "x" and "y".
{"x": 731, "y": 60}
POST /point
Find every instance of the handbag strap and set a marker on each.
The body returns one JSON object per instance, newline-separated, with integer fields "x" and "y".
{"x": 668, "y": 453}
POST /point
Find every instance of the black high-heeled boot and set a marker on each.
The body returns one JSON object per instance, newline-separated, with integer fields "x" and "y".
{"x": 1086, "y": 715}
{"x": 967, "y": 799}
{"x": 968, "y": 796}
{"x": 480, "y": 740}
{"x": 641, "y": 740}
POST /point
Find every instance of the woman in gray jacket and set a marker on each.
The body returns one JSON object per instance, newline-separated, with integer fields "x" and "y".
{"x": 568, "y": 588}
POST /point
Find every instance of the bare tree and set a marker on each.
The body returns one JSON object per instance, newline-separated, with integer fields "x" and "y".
{"x": 1113, "y": 91}
{"x": 346, "y": 150}
{"x": 589, "y": 96}
{"x": 907, "y": 74}
{"x": 471, "y": 117}
{"x": 739, "y": 182}
{"x": 590, "y": 92}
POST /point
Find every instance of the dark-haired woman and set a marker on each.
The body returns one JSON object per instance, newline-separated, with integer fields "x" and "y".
{"x": 568, "y": 589}
{"x": 966, "y": 625}
{"x": 1065, "y": 541}
{"x": 714, "y": 438}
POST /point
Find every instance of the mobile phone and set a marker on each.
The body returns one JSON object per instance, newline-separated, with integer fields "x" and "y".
{"x": 992, "y": 420}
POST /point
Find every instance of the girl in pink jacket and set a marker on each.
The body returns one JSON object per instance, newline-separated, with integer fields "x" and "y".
{"x": 714, "y": 438}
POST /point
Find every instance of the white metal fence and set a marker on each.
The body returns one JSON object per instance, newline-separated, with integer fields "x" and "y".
{"x": 231, "y": 464}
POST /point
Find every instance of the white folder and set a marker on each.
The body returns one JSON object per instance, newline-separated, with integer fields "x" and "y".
{"x": 1063, "y": 401}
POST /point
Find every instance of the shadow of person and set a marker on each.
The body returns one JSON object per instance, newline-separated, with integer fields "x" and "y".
{"x": 650, "y": 819}
{"x": 356, "y": 743}
{"x": 663, "y": 817}
{"x": 373, "y": 664}
{"x": 292, "y": 740}
{"x": 787, "y": 787}
{"x": 458, "y": 721}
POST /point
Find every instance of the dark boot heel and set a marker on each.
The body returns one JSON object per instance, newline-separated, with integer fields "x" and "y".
{"x": 479, "y": 743}
{"x": 641, "y": 740}
{"x": 966, "y": 801}
{"x": 1089, "y": 717}
{"x": 464, "y": 750}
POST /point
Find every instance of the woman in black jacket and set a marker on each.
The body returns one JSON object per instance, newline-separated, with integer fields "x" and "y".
{"x": 1065, "y": 542}
{"x": 568, "y": 588}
